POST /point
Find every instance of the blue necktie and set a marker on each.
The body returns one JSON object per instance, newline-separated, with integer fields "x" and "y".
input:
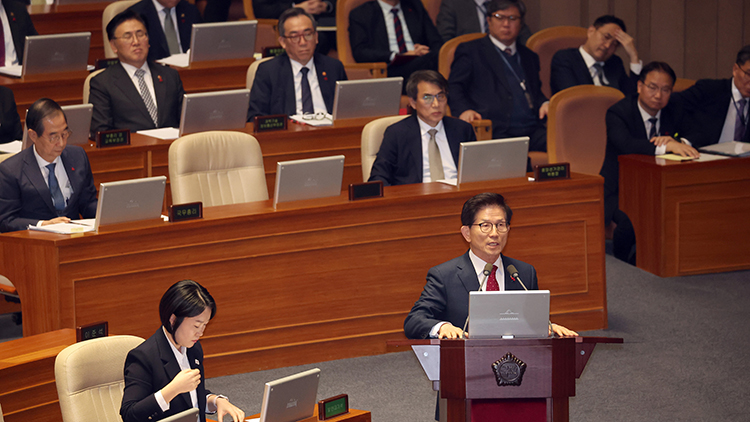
{"x": 54, "y": 188}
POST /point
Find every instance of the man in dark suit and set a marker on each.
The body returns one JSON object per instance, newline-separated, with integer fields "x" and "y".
{"x": 50, "y": 182}
{"x": 167, "y": 37}
{"x": 323, "y": 11}
{"x": 495, "y": 78}
{"x": 646, "y": 123}
{"x": 298, "y": 81}
{"x": 461, "y": 17}
{"x": 595, "y": 63}
{"x": 10, "y": 122}
{"x": 410, "y": 153}
{"x": 135, "y": 94}
{"x": 717, "y": 109}
{"x": 16, "y": 25}
{"x": 399, "y": 33}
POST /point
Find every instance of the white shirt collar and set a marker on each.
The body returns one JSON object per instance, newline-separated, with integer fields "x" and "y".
{"x": 424, "y": 127}
{"x": 736, "y": 93}
{"x": 178, "y": 354}
{"x": 588, "y": 58}
{"x": 44, "y": 163}
{"x": 159, "y": 7}
{"x": 479, "y": 264}
{"x": 297, "y": 66}
{"x": 644, "y": 114}
{"x": 502, "y": 46}
{"x": 387, "y": 7}
{"x": 130, "y": 69}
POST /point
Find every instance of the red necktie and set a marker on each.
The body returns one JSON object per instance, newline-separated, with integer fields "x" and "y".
{"x": 399, "y": 31}
{"x": 492, "y": 285}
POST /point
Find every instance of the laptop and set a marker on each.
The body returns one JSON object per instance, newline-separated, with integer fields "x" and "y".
{"x": 130, "y": 200}
{"x": 367, "y": 98}
{"x": 291, "y": 398}
{"x": 730, "y": 149}
{"x": 220, "y": 110}
{"x": 308, "y": 179}
{"x": 492, "y": 160}
{"x": 79, "y": 122}
{"x": 56, "y": 53}
{"x": 222, "y": 41}
{"x": 190, "y": 415}
{"x": 509, "y": 314}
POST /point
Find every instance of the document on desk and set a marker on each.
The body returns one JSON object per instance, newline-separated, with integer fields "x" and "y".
{"x": 711, "y": 157}
{"x": 63, "y": 228}
{"x": 13, "y": 70}
{"x": 178, "y": 60}
{"x": 674, "y": 157}
{"x": 162, "y": 133}
{"x": 326, "y": 120}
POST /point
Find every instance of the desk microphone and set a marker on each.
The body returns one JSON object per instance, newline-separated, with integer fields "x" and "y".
{"x": 487, "y": 270}
{"x": 514, "y": 275}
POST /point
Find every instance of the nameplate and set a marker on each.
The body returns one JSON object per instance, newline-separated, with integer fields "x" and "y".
{"x": 366, "y": 190}
{"x": 95, "y": 330}
{"x": 105, "y": 63}
{"x": 183, "y": 212}
{"x": 112, "y": 138}
{"x": 270, "y": 123}
{"x": 332, "y": 407}
{"x": 272, "y": 51}
{"x": 552, "y": 172}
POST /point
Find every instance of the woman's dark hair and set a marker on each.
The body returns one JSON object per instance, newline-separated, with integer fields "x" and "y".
{"x": 184, "y": 299}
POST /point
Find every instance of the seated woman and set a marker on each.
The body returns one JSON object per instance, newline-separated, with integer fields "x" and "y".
{"x": 164, "y": 375}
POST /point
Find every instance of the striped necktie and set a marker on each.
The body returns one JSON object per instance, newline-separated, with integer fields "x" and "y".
{"x": 146, "y": 95}
{"x": 399, "y": 31}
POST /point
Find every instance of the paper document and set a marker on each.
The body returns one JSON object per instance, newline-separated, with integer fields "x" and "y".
{"x": 452, "y": 182}
{"x": 674, "y": 157}
{"x": 327, "y": 120}
{"x": 711, "y": 157}
{"x": 179, "y": 60}
{"x": 11, "y": 147}
{"x": 162, "y": 133}
{"x": 13, "y": 70}
{"x": 63, "y": 228}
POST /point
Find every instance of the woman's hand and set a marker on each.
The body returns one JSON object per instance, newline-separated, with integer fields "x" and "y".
{"x": 185, "y": 381}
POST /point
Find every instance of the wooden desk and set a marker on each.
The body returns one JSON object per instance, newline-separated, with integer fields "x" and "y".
{"x": 309, "y": 282}
{"x": 689, "y": 217}
{"x": 354, "y": 415}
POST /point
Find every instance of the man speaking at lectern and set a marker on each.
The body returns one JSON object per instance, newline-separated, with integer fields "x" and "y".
{"x": 442, "y": 308}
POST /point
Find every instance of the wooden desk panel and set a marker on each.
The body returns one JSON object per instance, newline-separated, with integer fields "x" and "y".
{"x": 689, "y": 218}
{"x": 288, "y": 282}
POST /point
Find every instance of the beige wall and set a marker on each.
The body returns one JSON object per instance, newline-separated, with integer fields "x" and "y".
{"x": 698, "y": 38}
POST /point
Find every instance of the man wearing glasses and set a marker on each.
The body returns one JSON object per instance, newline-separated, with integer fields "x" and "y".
{"x": 169, "y": 24}
{"x": 424, "y": 147}
{"x": 50, "y": 182}
{"x": 299, "y": 81}
{"x": 135, "y": 94}
{"x": 498, "y": 79}
{"x": 595, "y": 63}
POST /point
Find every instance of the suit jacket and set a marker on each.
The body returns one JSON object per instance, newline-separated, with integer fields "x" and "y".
{"x": 20, "y": 25}
{"x": 369, "y": 37}
{"x": 187, "y": 15}
{"x": 118, "y": 104}
{"x": 626, "y": 134}
{"x": 25, "y": 198}
{"x": 480, "y": 81}
{"x": 273, "y": 87}
{"x": 569, "y": 69}
{"x": 272, "y": 9}
{"x": 705, "y": 105}
{"x": 10, "y": 122}
{"x": 446, "y": 295}
{"x": 148, "y": 368}
{"x": 399, "y": 160}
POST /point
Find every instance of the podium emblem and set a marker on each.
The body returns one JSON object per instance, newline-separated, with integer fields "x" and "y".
{"x": 509, "y": 370}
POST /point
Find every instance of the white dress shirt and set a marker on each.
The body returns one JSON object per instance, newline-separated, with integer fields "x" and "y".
{"x": 130, "y": 69}
{"x": 60, "y": 174}
{"x": 503, "y": 47}
{"x": 312, "y": 78}
{"x": 590, "y": 61}
{"x": 11, "y": 57}
{"x": 391, "y": 28}
{"x": 161, "y": 11}
{"x": 182, "y": 360}
{"x": 481, "y": 14}
{"x": 727, "y": 133}
{"x": 449, "y": 167}
{"x": 645, "y": 116}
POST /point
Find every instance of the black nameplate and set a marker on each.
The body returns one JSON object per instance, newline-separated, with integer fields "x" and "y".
{"x": 105, "y": 63}
{"x": 112, "y": 138}
{"x": 272, "y": 51}
{"x": 366, "y": 190}
{"x": 332, "y": 407}
{"x": 182, "y": 212}
{"x": 270, "y": 123}
{"x": 95, "y": 330}
{"x": 552, "y": 172}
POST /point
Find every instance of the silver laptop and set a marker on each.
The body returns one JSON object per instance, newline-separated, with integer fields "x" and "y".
{"x": 222, "y": 41}
{"x": 56, "y": 53}
{"x": 731, "y": 149}
{"x": 367, "y": 98}
{"x": 492, "y": 160}
{"x": 308, "y": 179}
{"x": 190, "y": 415}
{"x": 130, "y": 200}
{"x": 220, "y": 110}
{"x": 79, "y": 121}
{"x": 291, "y": 398}
{"x": 509, "y": 314}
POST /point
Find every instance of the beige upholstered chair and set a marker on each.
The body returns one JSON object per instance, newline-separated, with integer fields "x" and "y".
{"x": 576, "y": 130}
{"x": 217, "y": 168}
{"x": 251, "y": 71}
{"x": 87, "y": 85}
{"x": 6, "y": 287}
{"x": 682, "y": 84}
{"x": 109, "y": 13}
{"x": 89, "y": 378}
{"x": 549, "y": 41}
{"x": 372, "y": 137}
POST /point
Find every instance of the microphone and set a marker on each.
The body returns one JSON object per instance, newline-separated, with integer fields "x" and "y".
{"x": 514, "y": 275}
{"x": 487, "y": 270}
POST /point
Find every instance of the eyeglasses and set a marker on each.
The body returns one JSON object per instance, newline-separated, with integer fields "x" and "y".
{"x": 429, "y": 98}
{"x": 64, "y": 135}
{"x": 503, "y": 18}
{"x": 746, "y": 72}
{"x": 314, "y": 116}
{"x": 297, "y": 38}
{"x": 128, "y": 36}
{"x": 653, "y": 89}
{"x": 486, "y": 227}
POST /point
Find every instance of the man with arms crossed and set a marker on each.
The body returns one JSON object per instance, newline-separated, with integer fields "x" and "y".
{"x": 51, "y": 182}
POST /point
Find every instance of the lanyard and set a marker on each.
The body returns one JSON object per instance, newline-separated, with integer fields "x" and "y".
{"x": 520, "y": 82}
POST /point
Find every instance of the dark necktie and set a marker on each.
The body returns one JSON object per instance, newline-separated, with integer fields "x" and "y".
{"x": 739, "y": 125}
{"x": 54, "y": 189}
{"x": 599, "y": 73}
{"x": 307, "y": 103}
{"x": 399, "y": 31}
{"x": 170, "y": 33}
{"x": 2, "y": 44}
{"x": 492, "y": 285}
{"x": 486, "y": 26}
{"x": 652, "y": 132}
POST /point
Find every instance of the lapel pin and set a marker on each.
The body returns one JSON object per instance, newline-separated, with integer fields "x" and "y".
{"x": 196, "y": 362}
{"x": 159, "y": 77}
{"x": 72, "y": 169}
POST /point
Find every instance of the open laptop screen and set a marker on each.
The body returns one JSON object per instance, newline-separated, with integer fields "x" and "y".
{"x": 516, "y": 313}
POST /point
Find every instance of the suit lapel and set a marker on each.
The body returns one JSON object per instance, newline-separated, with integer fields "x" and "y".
{"x": 638, "y": 121}
{"x": 171, "y": 367}
{"x": 495, "y": 63}
{"x": 156, "y": 33}
{"x": 34, "y": 174}
{"x": 413, "y": 25}
{"x": 581, "y": 64}
{"x": 454, "y": 142}
{"x": 67, "y": 162}
{"x": 466, "y": 274}
{"x": 160, "y": 90}
{"x": 289, "y": 100}
{"x": 128, "y": 89}
{"x": 183, "y": 26}
{"x": 326, "y": 85}
{"x": 381, "y": 33}
{"x": 415, "y": 145}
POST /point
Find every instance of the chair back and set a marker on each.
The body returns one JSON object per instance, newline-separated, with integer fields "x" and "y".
{"x": 109, "y": 12}
{"x": 343, "y": 46}
{"x": 576, "y": 129}
{"x": 252, "y": 70}
{"x": 433, "y": 8}
{"x": 87, "y": 85}
{"x": 6, "y": 287}
{"x": 448, "y": 50}
{"x": 682, "y": 84}
{"x": 372, "y": 137}
{"x": 549, "y": 41}
{"x": 89, "y": 378}
{"x": 249, "y": 12}
{"x": 217, "y": 168}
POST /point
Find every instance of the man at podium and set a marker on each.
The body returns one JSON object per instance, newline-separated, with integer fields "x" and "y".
{"x": 442, "y": 308}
